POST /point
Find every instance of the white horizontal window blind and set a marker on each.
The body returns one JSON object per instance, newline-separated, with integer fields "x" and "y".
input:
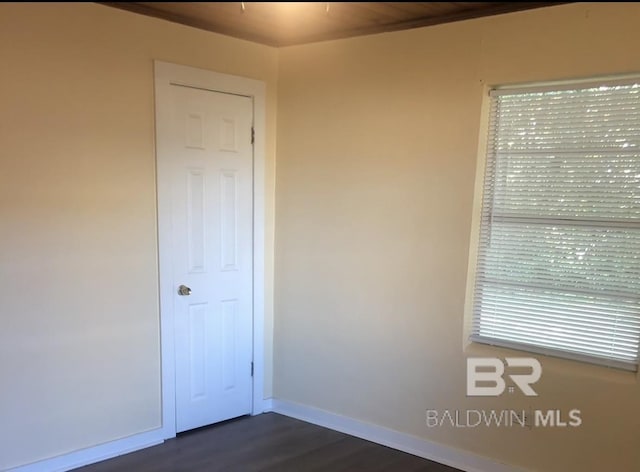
{"x": 558, "y": 268}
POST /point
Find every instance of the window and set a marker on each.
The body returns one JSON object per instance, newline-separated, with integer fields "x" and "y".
{"x": 558, "y": 268}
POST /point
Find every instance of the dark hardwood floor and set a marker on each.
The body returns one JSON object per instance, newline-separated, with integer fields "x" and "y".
{"x": 266, "y": 443}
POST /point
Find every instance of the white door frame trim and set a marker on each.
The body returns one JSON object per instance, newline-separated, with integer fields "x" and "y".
{"x": 166, "y": 74}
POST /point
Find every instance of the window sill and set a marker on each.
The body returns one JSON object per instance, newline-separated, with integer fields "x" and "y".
{"x": 556, "y": 365}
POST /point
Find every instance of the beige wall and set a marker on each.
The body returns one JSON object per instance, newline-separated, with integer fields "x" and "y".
{"x": 377, "y": 150}
{"x": 79, "y": 336}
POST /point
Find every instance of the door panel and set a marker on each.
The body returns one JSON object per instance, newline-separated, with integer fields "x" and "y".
{"x": 211, "y": 155}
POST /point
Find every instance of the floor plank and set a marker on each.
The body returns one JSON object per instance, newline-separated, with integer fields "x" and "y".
{"x": 266, "y": 443}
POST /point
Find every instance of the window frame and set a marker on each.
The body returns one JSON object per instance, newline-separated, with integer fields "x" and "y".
{"x": 489, "y": 91}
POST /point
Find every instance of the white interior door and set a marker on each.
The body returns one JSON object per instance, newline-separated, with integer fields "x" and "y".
{"x": 207, "y": 141}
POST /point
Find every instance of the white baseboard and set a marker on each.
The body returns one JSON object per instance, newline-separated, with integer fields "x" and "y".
{"x": 446, "y": 455}
{"x": 267, "y": 405}
{"x": 94, "y": 454}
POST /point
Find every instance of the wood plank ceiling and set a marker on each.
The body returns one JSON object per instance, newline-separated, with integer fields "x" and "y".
{"x": 289, "y": 23}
